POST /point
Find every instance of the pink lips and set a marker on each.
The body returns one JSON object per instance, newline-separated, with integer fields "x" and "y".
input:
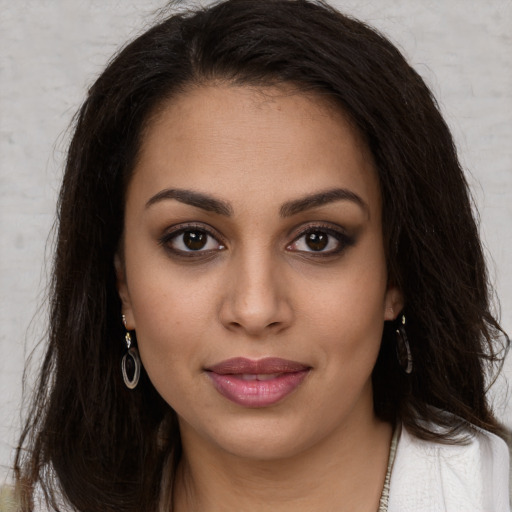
{"x": 257, "y": 383}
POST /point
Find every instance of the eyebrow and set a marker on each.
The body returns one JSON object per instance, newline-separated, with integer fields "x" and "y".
{"x": 288, "y": 209}
{"x": 319, "y": 199}
{"x": 197, "y": 199}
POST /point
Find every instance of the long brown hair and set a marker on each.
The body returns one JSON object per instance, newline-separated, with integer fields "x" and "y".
{"x": 94, "y": 445}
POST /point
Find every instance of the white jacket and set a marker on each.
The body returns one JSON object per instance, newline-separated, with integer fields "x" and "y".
{"x": 436, "y": 477}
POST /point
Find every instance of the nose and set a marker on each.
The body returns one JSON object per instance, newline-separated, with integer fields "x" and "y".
{"x": 256, "y": 301}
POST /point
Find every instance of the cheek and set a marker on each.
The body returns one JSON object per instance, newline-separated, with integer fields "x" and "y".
{"x": 162, "y": 297}
{"x": 173, "y": 314}
{"x": 166, "y": 318}
{"x": 168, "y": 333}
{"x": 349, "y": 317}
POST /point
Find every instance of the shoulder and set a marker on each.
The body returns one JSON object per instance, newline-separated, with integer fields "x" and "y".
{"x": 430, "y": 476}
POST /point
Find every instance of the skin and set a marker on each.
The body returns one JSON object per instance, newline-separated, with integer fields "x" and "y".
{"x": 257, "y": 289}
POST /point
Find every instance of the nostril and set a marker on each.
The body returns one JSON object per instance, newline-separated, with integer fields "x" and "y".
{"x": 238, "y": 325}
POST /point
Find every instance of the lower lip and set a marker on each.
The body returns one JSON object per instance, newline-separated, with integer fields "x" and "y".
{"x": 257, "y": 393}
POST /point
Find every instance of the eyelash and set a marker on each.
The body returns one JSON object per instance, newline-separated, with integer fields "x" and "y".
{"x": 167, "y": 239}
{"x": 343, "y": 241}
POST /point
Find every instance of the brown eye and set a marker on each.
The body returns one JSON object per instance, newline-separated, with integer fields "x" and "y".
{"x": 321, "y": 241}
{"x": 188, "y": 241}
{"x": 317, "y": 241}
{"x": 195, "y": 240}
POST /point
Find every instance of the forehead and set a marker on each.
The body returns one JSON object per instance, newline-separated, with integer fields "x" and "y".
{"x": 229, "y": 140}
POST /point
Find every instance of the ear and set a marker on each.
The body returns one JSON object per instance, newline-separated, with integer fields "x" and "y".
{"x": 393, "y": 303}
{"x": 124, "y": 295}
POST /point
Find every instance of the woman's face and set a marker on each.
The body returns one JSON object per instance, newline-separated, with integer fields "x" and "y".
{"x": 254, "y": 270}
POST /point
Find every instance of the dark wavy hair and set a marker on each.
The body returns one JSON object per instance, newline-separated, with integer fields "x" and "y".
{"x": 94, "y": 445}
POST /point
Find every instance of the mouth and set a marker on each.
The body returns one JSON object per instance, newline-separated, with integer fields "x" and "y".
{"x": 257, "y": 383}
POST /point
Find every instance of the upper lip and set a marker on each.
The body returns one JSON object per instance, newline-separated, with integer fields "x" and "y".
{"x": 268, "y": 365}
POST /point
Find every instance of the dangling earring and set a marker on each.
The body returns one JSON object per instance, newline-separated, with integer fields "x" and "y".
{"x": 403, "y": 350}
{"x": 130, "y": 365}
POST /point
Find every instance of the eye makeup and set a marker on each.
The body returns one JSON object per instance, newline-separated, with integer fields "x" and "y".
{"x": 321, "y": 240}
{"x": 191, "y": 240}
{"x": 199, "y": 241}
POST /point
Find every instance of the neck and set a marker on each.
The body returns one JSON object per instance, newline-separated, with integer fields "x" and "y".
{"x": 343, "y": 472}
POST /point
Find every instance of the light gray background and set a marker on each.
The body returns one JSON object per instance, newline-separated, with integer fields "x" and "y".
{"x": 51, "y": 50}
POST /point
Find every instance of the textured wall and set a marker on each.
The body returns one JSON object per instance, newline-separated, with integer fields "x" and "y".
{"x": 51, "y": 50}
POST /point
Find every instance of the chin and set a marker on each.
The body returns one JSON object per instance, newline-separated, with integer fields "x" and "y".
{"x": 265, "y": 439}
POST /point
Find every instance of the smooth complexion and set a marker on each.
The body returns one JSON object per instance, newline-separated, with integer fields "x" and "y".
{"x": 253, "y": 233}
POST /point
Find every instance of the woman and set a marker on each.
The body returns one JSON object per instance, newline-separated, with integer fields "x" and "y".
{"x": 269, "y": 292}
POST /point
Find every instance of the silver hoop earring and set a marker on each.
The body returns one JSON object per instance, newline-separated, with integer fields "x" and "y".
{"x": 403, "y": 350}
{"x": 131, "y": 365}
